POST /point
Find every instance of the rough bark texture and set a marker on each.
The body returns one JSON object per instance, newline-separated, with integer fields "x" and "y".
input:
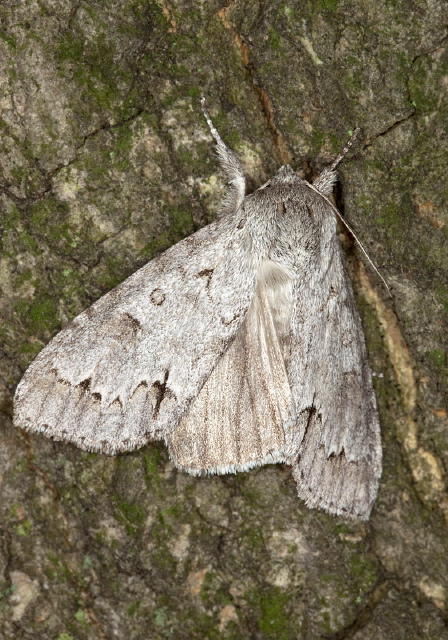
{"x": 105, "y": 161}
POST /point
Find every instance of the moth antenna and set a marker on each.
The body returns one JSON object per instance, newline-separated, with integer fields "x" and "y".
{"x": 328, "y": 177}
{"x": 345, "y": 150}
{"x": 324, "y": 186}
{"x": 231, "y": 164}
{"x": 345, "y": 223}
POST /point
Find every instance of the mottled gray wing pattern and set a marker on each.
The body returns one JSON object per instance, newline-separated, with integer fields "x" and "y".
{"x": 107, "y": 382}
{"x": 237, "y": 421}
{"x": 335, "y": 447}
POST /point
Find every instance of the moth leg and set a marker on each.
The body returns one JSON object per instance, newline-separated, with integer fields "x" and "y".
{"x": 324, "y": 183}
{"x": 231, "y": 164}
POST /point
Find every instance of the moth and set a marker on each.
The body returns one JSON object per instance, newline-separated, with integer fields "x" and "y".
{"x": 239, "y": 346}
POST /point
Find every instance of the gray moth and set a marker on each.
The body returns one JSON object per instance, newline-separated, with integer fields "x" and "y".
{"x": 239, "y": 346}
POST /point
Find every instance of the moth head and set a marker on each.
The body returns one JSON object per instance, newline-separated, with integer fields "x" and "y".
{"x": 285, "y": 175}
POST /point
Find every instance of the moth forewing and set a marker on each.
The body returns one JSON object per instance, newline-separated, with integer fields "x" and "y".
{"x": 107, "y": 388}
